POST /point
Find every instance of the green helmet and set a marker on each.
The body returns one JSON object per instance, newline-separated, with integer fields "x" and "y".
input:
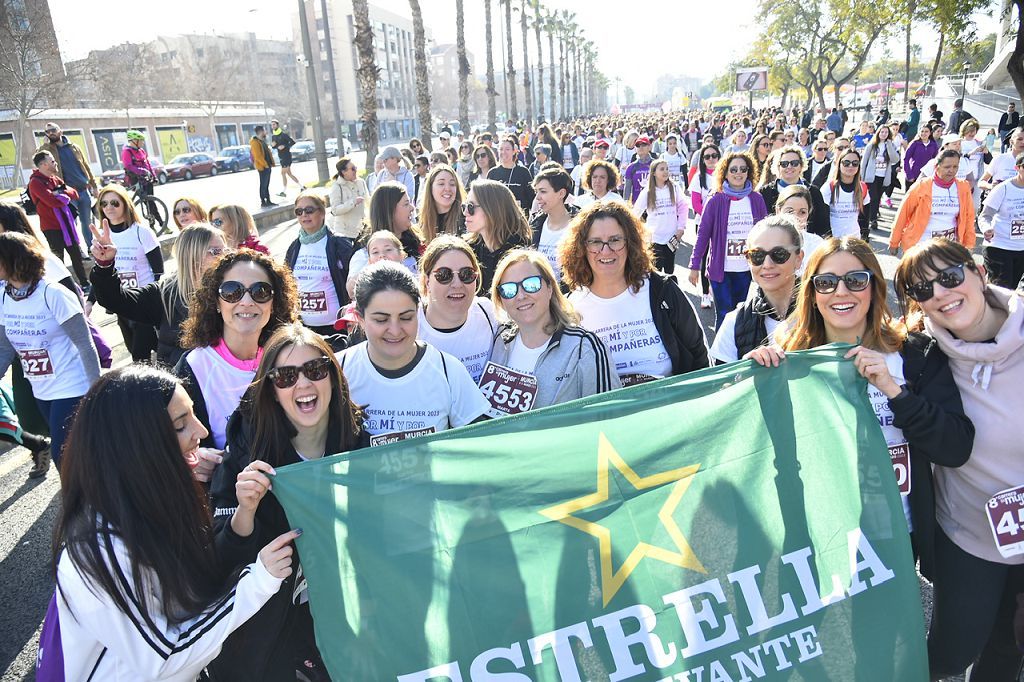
{"x": 133, "y": 135}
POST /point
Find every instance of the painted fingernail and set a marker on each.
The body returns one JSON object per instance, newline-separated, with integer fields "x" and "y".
{"x": 298, "y": 531}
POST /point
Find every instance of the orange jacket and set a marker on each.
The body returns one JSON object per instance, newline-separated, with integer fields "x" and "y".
{"x": 916, "y": 210}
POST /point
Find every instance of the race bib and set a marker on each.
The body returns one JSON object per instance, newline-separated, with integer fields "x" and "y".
{"x": 1006, "y": 518}
{"x": 736, "y": 248}
{"x": 389, "y": 438}
{"x": 900, "y": 455}
{"x": 636, "y": 379}
{"x": 36, "y": 363}
{"x": 1017, "y": 229}
{"x": 128, "y": 279}
{"x": 312, "y": 301}
{"x": 507, "y": 391}
{"x": 949, "y": 234}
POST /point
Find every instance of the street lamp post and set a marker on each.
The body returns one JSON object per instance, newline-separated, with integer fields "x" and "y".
{"x": 314, "y": 101}
{"x": 888, "y": 88}
{"x": 855, "y": 81}
{"x": 963, "y": 87}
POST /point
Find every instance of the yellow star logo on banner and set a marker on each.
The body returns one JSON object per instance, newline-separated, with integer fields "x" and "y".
{"x": 681, "y": 555}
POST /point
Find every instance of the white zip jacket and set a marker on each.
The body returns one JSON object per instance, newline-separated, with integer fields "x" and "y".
{"x": 100, "y": 642}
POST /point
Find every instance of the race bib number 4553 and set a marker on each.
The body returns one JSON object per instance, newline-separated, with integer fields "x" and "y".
{"x": 508, "y": 391}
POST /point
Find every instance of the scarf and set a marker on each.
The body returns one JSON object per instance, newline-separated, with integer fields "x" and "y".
{"x": 942, "y": 183}
{"x": 22, "y": 293}
{"x": 737, "y": 194}
{"x": 305, "y": 238}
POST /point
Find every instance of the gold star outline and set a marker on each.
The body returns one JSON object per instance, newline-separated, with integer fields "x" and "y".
{"x": 682, "y": 555}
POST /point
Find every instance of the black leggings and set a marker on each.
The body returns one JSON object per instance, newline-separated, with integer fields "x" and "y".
{"x": 1005, "y": 268}
{"x": 972, "y": 618}
{"x": 875, "y": 191}
{"x": 664, "y": 258}
{"x": 55, "y": 238}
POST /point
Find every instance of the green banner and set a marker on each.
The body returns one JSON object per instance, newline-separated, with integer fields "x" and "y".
{"x": 739, "y": 523}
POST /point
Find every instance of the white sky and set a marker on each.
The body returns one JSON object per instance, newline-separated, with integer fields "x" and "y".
{"x": 683, "y": 38}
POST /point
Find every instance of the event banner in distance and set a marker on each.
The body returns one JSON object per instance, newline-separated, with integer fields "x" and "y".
{"x": 739, "y": 523}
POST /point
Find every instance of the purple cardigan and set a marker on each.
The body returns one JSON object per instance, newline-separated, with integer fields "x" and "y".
{"x": 916, "y": 156}
{"x": 713, "y": 231}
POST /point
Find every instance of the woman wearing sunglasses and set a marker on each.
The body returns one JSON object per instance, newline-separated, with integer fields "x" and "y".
{"x": 142, "y": 593}
{"x": 139, "y": 262}
{"x": 409, "y": 387}
{"x": 348, "y": 199}
{"x": 726, "y": 220}
{"x": 452, "y": 318}
{"x": 239, "y": 303}
{"x": 483, "y": 161}
{"x": 42, "y": 325}
{"x": 1002, "y": 223}
{"x": 644, "y": 319}
{"x": 910, "y": 386}
{"x": 980, "y": 327}
{"x": 495, "y": 225}
{"x": 238, "y": 227}
{"x": 702, "y": 182}
{"x": 541, "y": 336}
{"x": 789, "y": 164}
{"x": 774, "y": 252}
{"x": 164, "y": 304}
{"x": 939, "y": 206}
{"x": 187, "y": 211}
{"x": 298, "y": 408}
{"x": 319, "y": 262}
{"x": 845, "y": 194}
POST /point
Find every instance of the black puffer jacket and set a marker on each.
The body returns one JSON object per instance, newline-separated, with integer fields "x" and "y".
{"x": 678, "y": 325}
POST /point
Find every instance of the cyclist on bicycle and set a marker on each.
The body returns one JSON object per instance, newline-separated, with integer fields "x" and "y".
{"x": 137, "y": 169}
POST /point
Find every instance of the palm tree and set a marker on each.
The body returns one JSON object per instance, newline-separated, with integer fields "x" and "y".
{"x": 510, "y": 73}
{"x": 422, "y": 86}
{"x": 460, "y": 46}
{"x": 570, "y": 30}
{"x": 551, "y": 26}
{"x": 368, "y": 73}
{"x": 560, "y": 28}
{"x": 492, "y": 112}
{"x": 538, "y": 25}
{"x": 527, "y": 94}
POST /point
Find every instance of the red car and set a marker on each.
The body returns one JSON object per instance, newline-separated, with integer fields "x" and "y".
{"x": 188, "y": 166}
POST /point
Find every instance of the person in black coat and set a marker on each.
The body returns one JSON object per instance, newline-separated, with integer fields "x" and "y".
{"x": 163, "y": 304}
{"x": 1007, "y": 123}
{"x": 788, "y": 166}
{"x": 269, "y": 430}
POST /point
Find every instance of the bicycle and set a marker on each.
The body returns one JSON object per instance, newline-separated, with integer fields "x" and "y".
{"x": 152, "y": 209}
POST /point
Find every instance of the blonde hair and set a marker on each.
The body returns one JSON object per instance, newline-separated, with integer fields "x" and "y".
{"x": 242, "y": 224}
{"x": 562, "y": 313}
{"x": 131, "y": 216}
{"x": 384, "y": 235}
{"x": 189, "y": 252}
{"x": 505, "y": 219}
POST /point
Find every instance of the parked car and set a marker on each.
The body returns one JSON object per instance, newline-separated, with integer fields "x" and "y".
{"x": 188, "y": 166}
{"x": 303, "y": 150}
{"x": 234, "y": 158}
{"x": 118, "y": 175}
{"x": 332, "y": 146}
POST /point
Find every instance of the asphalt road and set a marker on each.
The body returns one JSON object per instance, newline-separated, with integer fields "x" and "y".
{"x": 28, "y": 508}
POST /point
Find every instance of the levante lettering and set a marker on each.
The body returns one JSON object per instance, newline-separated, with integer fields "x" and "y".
{"x": 705, "y": 625}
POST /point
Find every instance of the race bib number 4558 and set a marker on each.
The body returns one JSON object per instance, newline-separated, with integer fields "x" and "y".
{"x": 508, "y": 391}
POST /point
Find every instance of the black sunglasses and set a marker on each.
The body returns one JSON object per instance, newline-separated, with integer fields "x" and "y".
{"x": 288, "y": 375}
{"x": 232, "y": 291}
{"x": 470, "y": 208}
{"x": 855, "y": 280}
{"x": 949, "y": 278}
{"x": 183, "y": 209}
{"x": 790, "y": 164}
{"x": 779, "y": 255}
{"x": 708, "y": 157}
{"x": 306, "y": 210}
{"x": 849, "y": 163}
{"x": 113, "y": 202}
{"x": 444, "y": 275}
{"x": 530, "y": 285}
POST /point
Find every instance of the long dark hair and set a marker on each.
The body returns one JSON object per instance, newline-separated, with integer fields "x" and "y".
{"x": 140, "y": 490}
{"x": 702, "y": 176}
{"x": 273, "y": 431}
{"x": 383, "y": 202}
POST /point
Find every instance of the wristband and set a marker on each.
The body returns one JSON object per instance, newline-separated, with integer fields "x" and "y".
{"x": 103, "y": 263}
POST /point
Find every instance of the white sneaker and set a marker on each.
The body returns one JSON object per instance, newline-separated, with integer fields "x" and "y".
{"x": 705, "y": 301}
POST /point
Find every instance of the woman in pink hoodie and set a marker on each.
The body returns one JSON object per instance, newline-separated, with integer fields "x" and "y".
{"x": 979, "y": 506}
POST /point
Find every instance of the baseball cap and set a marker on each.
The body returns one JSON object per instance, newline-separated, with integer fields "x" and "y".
{"x": 445, "y": 135}
{"x": 643, "y": 139}
{"x": 601, "y": 144}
